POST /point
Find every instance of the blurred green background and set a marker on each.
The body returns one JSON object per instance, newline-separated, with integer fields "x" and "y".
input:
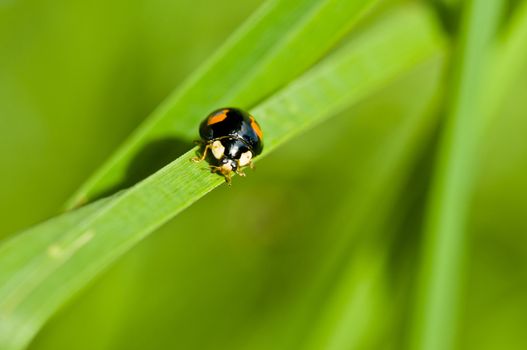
{"x": 337, "y": 211}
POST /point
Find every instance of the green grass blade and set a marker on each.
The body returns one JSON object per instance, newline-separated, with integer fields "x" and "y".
{"x": 14, "y": 254}
{"x": 445, "y": 230}
{"x": 348, "y": 312}
{"x": 69, "y": 260}
{"x": 509, "y": 60}
{"x": 263, "y": 55}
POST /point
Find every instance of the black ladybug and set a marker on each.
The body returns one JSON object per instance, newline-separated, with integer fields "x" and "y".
{"x": 234, "y": 138}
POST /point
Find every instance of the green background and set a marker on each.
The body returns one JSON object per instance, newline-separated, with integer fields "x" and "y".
{"x": 243, "y": 270}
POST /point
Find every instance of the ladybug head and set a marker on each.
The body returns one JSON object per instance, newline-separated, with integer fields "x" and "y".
{"x": 227, "y": 165}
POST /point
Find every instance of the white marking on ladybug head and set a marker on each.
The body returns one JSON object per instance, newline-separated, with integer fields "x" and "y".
{"x": 245, "y": 158}
{"x": 217, "y": 149}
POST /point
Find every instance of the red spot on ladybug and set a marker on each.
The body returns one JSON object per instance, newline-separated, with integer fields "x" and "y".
{"x": 216, "y": 118}
{"x": 256, "y": 127}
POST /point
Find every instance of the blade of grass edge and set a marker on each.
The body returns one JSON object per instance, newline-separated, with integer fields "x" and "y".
{"x": 266, "y": 52}
{"x": 377, "y": 57}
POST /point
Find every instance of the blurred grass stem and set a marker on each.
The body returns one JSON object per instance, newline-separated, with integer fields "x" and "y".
{"x": 445, "y": 232}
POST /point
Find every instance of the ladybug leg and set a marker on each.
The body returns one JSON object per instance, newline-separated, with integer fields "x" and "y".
{"x": 251, "y": 165}
{"x": 227, "y": 176}
{"x": 199, "y": 159}
{"x": 214, "y": 169}
{"x": 228, "y": 179}
{"x": 240, "y": 172}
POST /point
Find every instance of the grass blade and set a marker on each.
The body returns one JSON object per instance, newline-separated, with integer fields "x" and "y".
{"x": 445, "y": 230}
{"x": 348, "y": 308}
{"x": 509, "y": 59}
{"x": 268, "y": 51}
{"x": 70, "y": 260}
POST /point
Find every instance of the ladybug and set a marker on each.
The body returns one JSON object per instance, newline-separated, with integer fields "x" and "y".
{"x": 234, "y": 138}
